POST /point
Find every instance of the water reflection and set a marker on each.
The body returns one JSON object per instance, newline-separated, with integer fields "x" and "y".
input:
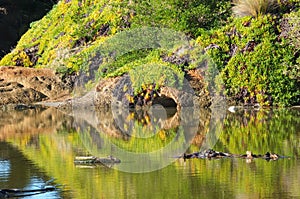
{"x": 27, "y": 123}
{"x": 4, "y": 170}
{"x": 149, "y": 139}
{"x": 18, "y": 172}
{"x": 53, "y": 146}
{"x": 260, "y": 131}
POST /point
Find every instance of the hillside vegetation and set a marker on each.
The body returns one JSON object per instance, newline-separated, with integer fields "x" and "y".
{"x": 253, "y": 43}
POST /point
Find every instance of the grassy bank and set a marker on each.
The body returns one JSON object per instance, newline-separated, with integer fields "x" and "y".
{"x": 255, "y": 49}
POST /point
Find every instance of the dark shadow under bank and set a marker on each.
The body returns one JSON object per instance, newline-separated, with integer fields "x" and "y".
{"x": 15, "y": 18}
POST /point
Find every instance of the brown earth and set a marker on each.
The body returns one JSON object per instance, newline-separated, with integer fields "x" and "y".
{"x": 20, "y": 85}
{"x": 29, "y": 85}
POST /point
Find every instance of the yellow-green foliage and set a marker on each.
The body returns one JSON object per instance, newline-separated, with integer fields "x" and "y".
{"x": 66, "y": 37}
{"x": 70, "y": 28}
{"x": 253, "y": 61}
{"x": 72, "y": 33}
{"x": 148, "y": 70}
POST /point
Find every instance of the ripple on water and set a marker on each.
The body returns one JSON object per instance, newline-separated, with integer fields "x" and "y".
{"x": 4, "y": 170}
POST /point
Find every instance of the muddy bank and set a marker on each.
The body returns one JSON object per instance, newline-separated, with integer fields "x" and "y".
{"x": 20, "y": 85}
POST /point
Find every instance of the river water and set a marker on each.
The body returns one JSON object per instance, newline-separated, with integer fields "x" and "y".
{"x": 37, "y": 145}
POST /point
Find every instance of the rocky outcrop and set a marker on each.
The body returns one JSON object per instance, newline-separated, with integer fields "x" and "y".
{"x": 111, "y": 92}
{"x": 28, "y": 85}
{"x": 104, "y": 91}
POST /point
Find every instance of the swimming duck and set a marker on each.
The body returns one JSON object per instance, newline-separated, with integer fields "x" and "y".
{"x": 271, "y": 156}
{"x": 191, "y": 155}
{"x": 250, "y": 155}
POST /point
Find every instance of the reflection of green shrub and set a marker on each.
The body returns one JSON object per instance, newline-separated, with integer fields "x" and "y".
{"x": 262, "y": 131}
{"x": 253, "y": 61}
{"x": 145, "y": 140}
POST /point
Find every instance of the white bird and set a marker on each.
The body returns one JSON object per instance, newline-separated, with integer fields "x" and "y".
{"x": 232, "y": 109}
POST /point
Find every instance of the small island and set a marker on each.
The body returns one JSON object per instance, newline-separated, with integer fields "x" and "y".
{"x": 244, "y": 51}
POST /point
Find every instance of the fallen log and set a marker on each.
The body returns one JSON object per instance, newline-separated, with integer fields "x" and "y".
{"x": 96, "y": 160}
{"x": 8, "y": 193}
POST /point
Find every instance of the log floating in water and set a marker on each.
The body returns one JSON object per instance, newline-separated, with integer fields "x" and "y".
{"x": 96, "y": 160}
{"x": 7, "y": 193}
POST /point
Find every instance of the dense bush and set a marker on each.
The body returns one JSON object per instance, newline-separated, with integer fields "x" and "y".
{"x": 68, "y": 38}
{"x": 188, "y": 16}
{"x": 253, "y": 61}
{"x": 73, "y": 28}
{"x": 70, "y": 28}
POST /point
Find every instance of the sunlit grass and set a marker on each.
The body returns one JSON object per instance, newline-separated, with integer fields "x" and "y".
{"x": 253, "y": 8}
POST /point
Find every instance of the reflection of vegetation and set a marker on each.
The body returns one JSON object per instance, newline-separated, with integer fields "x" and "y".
{"x": 259, "y": 131}
{"x": 146, "y": 140}
{"x": 141, "y": 131}
{"x": 262, "y": 131}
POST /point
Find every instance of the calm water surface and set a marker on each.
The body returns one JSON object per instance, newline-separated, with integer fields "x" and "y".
{"x": 38, "y": 145}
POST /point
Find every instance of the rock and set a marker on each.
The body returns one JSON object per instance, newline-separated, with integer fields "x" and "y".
{"x": 104, "y": 91}
{"x": 111, "y": 92}
{"x": 28, "y": 85}
{"x": 24, "y": 107}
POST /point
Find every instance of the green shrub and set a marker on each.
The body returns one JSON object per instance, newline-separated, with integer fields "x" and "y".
{"x": 256, "y": 64}
{"x": 253, "y": 62}
{"x": 69, "y": 31}
{"x": 66, "y": 37}
{"x": 188, "y": 16}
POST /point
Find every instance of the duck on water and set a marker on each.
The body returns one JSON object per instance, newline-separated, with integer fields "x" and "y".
{"x": 210, "y": 153}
